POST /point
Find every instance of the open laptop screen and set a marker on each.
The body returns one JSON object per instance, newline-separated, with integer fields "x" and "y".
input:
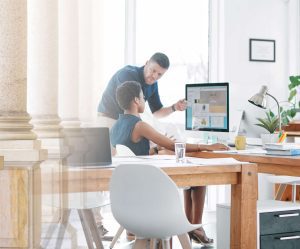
{"x": 87, "y": 146}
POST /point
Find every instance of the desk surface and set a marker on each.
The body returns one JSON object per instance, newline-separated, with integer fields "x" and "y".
{"x": 95, "y": 179}
{"x": 281, "y": 165}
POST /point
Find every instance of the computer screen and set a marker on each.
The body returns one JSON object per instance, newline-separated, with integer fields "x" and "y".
{"x": 207, "y": 107}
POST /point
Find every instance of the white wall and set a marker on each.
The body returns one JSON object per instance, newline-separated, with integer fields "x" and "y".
{"x": 263, "y": 19}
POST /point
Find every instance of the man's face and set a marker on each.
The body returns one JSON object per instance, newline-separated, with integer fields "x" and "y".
{"x": 153, "y": 72}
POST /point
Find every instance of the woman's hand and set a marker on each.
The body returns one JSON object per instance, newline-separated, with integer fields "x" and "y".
{"x": 218, "y": 146}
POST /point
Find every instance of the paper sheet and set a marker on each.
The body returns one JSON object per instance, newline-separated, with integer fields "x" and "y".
{"x": 169, "y": 160}
{"x": 212, "y": 161}
{"x": 248, "y": 151}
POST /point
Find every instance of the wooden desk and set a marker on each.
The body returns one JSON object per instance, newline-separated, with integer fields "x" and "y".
{"x": 278, "y": 165}
{"x": 242, "y": 177}
{"x": 293, "y": 133}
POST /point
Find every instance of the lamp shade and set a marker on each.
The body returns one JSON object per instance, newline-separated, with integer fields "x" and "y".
{"x": 259, "y": 99}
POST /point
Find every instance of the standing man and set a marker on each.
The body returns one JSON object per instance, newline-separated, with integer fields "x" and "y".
{"x": 147, "y": 76}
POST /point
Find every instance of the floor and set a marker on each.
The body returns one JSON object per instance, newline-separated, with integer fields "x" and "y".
{"x": 74, "y": 236}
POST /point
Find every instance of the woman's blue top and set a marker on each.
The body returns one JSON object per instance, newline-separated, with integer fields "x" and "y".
{"x": 121, "y": 133}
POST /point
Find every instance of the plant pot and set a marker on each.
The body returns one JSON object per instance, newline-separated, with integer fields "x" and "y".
{"x": 269, "y": 138}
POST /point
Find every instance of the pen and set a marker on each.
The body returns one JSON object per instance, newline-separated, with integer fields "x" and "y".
{"x": 282, "y": 137}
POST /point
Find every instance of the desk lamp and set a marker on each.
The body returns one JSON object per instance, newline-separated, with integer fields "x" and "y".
{"x": 259, "y": 100}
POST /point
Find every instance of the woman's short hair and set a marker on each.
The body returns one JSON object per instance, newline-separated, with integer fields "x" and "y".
{"x": 161, "y": 59}
{"x": 126, "y": 92}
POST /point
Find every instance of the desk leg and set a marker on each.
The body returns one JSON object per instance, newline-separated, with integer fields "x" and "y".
{"x": 243, "y": 233}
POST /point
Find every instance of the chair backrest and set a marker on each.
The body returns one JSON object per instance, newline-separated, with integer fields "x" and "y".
{"x": 146, "y": 202}
{"x": 123, "y": 150}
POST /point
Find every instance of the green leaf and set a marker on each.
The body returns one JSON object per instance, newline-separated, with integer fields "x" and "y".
{"x": 284, "y": 121}
{"x": 270, "y": 123}
{"x": 295, "y": 81}
{"x": 292, "y": 94}
{"x": 292, "y": 113}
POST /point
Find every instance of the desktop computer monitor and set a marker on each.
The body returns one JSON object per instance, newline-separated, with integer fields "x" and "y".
{"x": 207, "y": 107}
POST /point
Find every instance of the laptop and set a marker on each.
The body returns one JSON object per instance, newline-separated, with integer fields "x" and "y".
{"x": 88, "y": 147}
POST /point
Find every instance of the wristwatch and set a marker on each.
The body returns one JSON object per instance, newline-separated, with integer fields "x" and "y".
{"x": 173, "y": 108}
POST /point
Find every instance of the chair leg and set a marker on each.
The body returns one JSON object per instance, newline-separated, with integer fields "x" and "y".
{"x": 185, "y": 241}
{"x": 97, "y": 235}
{"x": 90, "y": 218}
{"x": 116, "y": 237}
{"x": 165, "y": 243}
{"x": 63, "y": 227}
{"x": 86, "y": 229}
{"x": 50, "y": 231}
{"x": 140, "y": 244}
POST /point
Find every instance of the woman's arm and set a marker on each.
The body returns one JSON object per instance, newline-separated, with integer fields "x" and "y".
{"x": 142, "y": 129}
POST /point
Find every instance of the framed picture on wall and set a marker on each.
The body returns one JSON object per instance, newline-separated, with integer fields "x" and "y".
{"x": 262, "y": 50}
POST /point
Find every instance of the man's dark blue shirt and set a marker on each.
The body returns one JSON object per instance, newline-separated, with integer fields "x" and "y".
{"x": 109, "y": 105}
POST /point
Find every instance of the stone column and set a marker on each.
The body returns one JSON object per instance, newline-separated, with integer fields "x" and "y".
{"x": 14, "y": 119}
{"x": 68, "y": 63}
{"x": 87, "y": 111}
{"x": 43, "y": 71}
{"x": 43, "y": 67}
{"x": 20, "y": 176}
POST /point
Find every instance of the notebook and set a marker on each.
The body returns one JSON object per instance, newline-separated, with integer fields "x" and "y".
{"x": 88, "y": 147}
{"x": 290, "y": 152}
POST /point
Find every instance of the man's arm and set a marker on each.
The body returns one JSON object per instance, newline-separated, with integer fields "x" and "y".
{"x": 180, "y": 105}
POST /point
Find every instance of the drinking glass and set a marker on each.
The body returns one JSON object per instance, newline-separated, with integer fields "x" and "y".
{"x": 180, "y": 152}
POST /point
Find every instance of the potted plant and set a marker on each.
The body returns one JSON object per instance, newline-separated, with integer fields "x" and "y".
{"x": 290, "y": 113}
{"x": 269, "y": 123}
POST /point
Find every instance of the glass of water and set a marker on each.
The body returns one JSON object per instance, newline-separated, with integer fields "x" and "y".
{"x": 180, "y": 152}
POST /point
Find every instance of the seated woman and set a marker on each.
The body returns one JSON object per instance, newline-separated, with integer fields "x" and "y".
{"x": 132, "y": 132}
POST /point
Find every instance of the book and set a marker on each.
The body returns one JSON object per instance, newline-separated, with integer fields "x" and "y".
{"x": 282, "y": 146}
{"x": 288, "y": 152}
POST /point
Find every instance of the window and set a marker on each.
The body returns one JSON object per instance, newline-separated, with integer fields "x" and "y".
{"x": 180, "y": 30}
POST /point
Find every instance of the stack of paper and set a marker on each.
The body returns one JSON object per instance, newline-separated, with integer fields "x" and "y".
{"x": 284, "y": 149}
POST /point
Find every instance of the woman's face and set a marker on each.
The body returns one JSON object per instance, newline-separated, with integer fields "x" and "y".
{"x": 141, "y": 106}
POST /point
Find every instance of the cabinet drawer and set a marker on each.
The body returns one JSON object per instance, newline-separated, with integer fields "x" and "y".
{"x": 280, "y": 241}
{"x": 280, "y": 222}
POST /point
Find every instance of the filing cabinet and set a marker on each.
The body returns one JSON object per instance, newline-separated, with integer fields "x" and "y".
{"x": 279, "y": 228}
{"x": 278, "y": 225}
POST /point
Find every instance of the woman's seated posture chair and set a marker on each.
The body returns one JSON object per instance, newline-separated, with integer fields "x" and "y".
{"x": 146, "y": 202}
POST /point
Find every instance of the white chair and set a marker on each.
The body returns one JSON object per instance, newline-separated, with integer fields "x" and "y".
{"x": 283, "y": 181}
{"x": 146, "y": 202}
{"x": 123, "y": 150}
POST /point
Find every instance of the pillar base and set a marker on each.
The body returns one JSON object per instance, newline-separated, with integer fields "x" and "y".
{"x": 16, "y": 126}
{"x": 17, "y": 152}
{"x": 47, "y": 126}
